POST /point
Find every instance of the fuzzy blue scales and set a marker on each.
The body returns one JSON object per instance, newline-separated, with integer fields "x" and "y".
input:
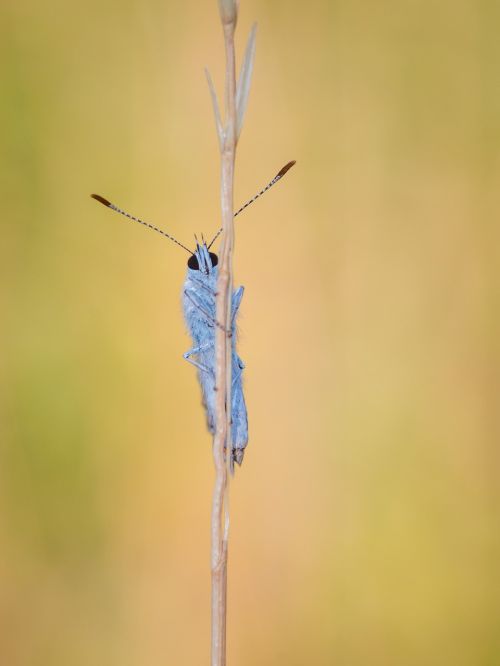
{"x": 199, "y": 312}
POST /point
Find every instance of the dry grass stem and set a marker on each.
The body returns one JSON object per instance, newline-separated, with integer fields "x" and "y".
{"x": 235, "y": 101}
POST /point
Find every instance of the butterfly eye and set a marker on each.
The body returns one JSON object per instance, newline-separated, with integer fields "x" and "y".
{"x": 194, "y": 265}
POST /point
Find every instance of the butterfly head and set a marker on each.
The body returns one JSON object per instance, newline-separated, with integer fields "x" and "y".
{"x": 202, "y": 260}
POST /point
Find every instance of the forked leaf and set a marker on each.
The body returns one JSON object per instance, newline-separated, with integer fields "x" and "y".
{"x": 244, "y": 80}
{"x": 215, "y": 104}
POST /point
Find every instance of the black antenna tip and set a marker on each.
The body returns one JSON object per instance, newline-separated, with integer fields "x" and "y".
{"x": 283, "y": 171}
{"x": 102, "y": 200}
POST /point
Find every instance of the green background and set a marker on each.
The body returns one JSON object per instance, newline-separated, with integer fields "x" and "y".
{"x": 365, "y": 519}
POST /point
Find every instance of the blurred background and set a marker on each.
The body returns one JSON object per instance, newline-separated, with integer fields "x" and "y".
{"x": 365, "y": 519}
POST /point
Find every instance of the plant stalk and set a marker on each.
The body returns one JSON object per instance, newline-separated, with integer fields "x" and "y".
{"x": 222, "y": 445}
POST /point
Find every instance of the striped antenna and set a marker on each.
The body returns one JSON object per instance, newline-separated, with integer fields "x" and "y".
{"x": 107, "y": 203}
{"x": 277, "y": 177}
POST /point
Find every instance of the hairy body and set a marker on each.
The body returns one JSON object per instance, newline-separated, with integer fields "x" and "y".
{"x": 199, "y": 312}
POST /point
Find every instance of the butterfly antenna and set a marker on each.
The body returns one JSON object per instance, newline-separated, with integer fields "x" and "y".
{"x": 277, "y": 177}
{"x": 107, "y": 203}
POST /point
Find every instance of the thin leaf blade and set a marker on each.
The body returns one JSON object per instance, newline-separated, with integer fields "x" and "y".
{"x": 245, "y": 79}
{"x": 215, "y": 104}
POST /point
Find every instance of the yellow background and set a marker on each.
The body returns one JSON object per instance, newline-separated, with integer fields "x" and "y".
{"x": 365, "y": 517}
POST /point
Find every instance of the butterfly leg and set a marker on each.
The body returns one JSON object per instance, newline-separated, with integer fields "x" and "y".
{"x": 238, "y": 367}
{"x": 237, "y": 296}
{"x": 196, "y": 350}
{"x": 204, "y": 286}
{"x": 192, "y": 298}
